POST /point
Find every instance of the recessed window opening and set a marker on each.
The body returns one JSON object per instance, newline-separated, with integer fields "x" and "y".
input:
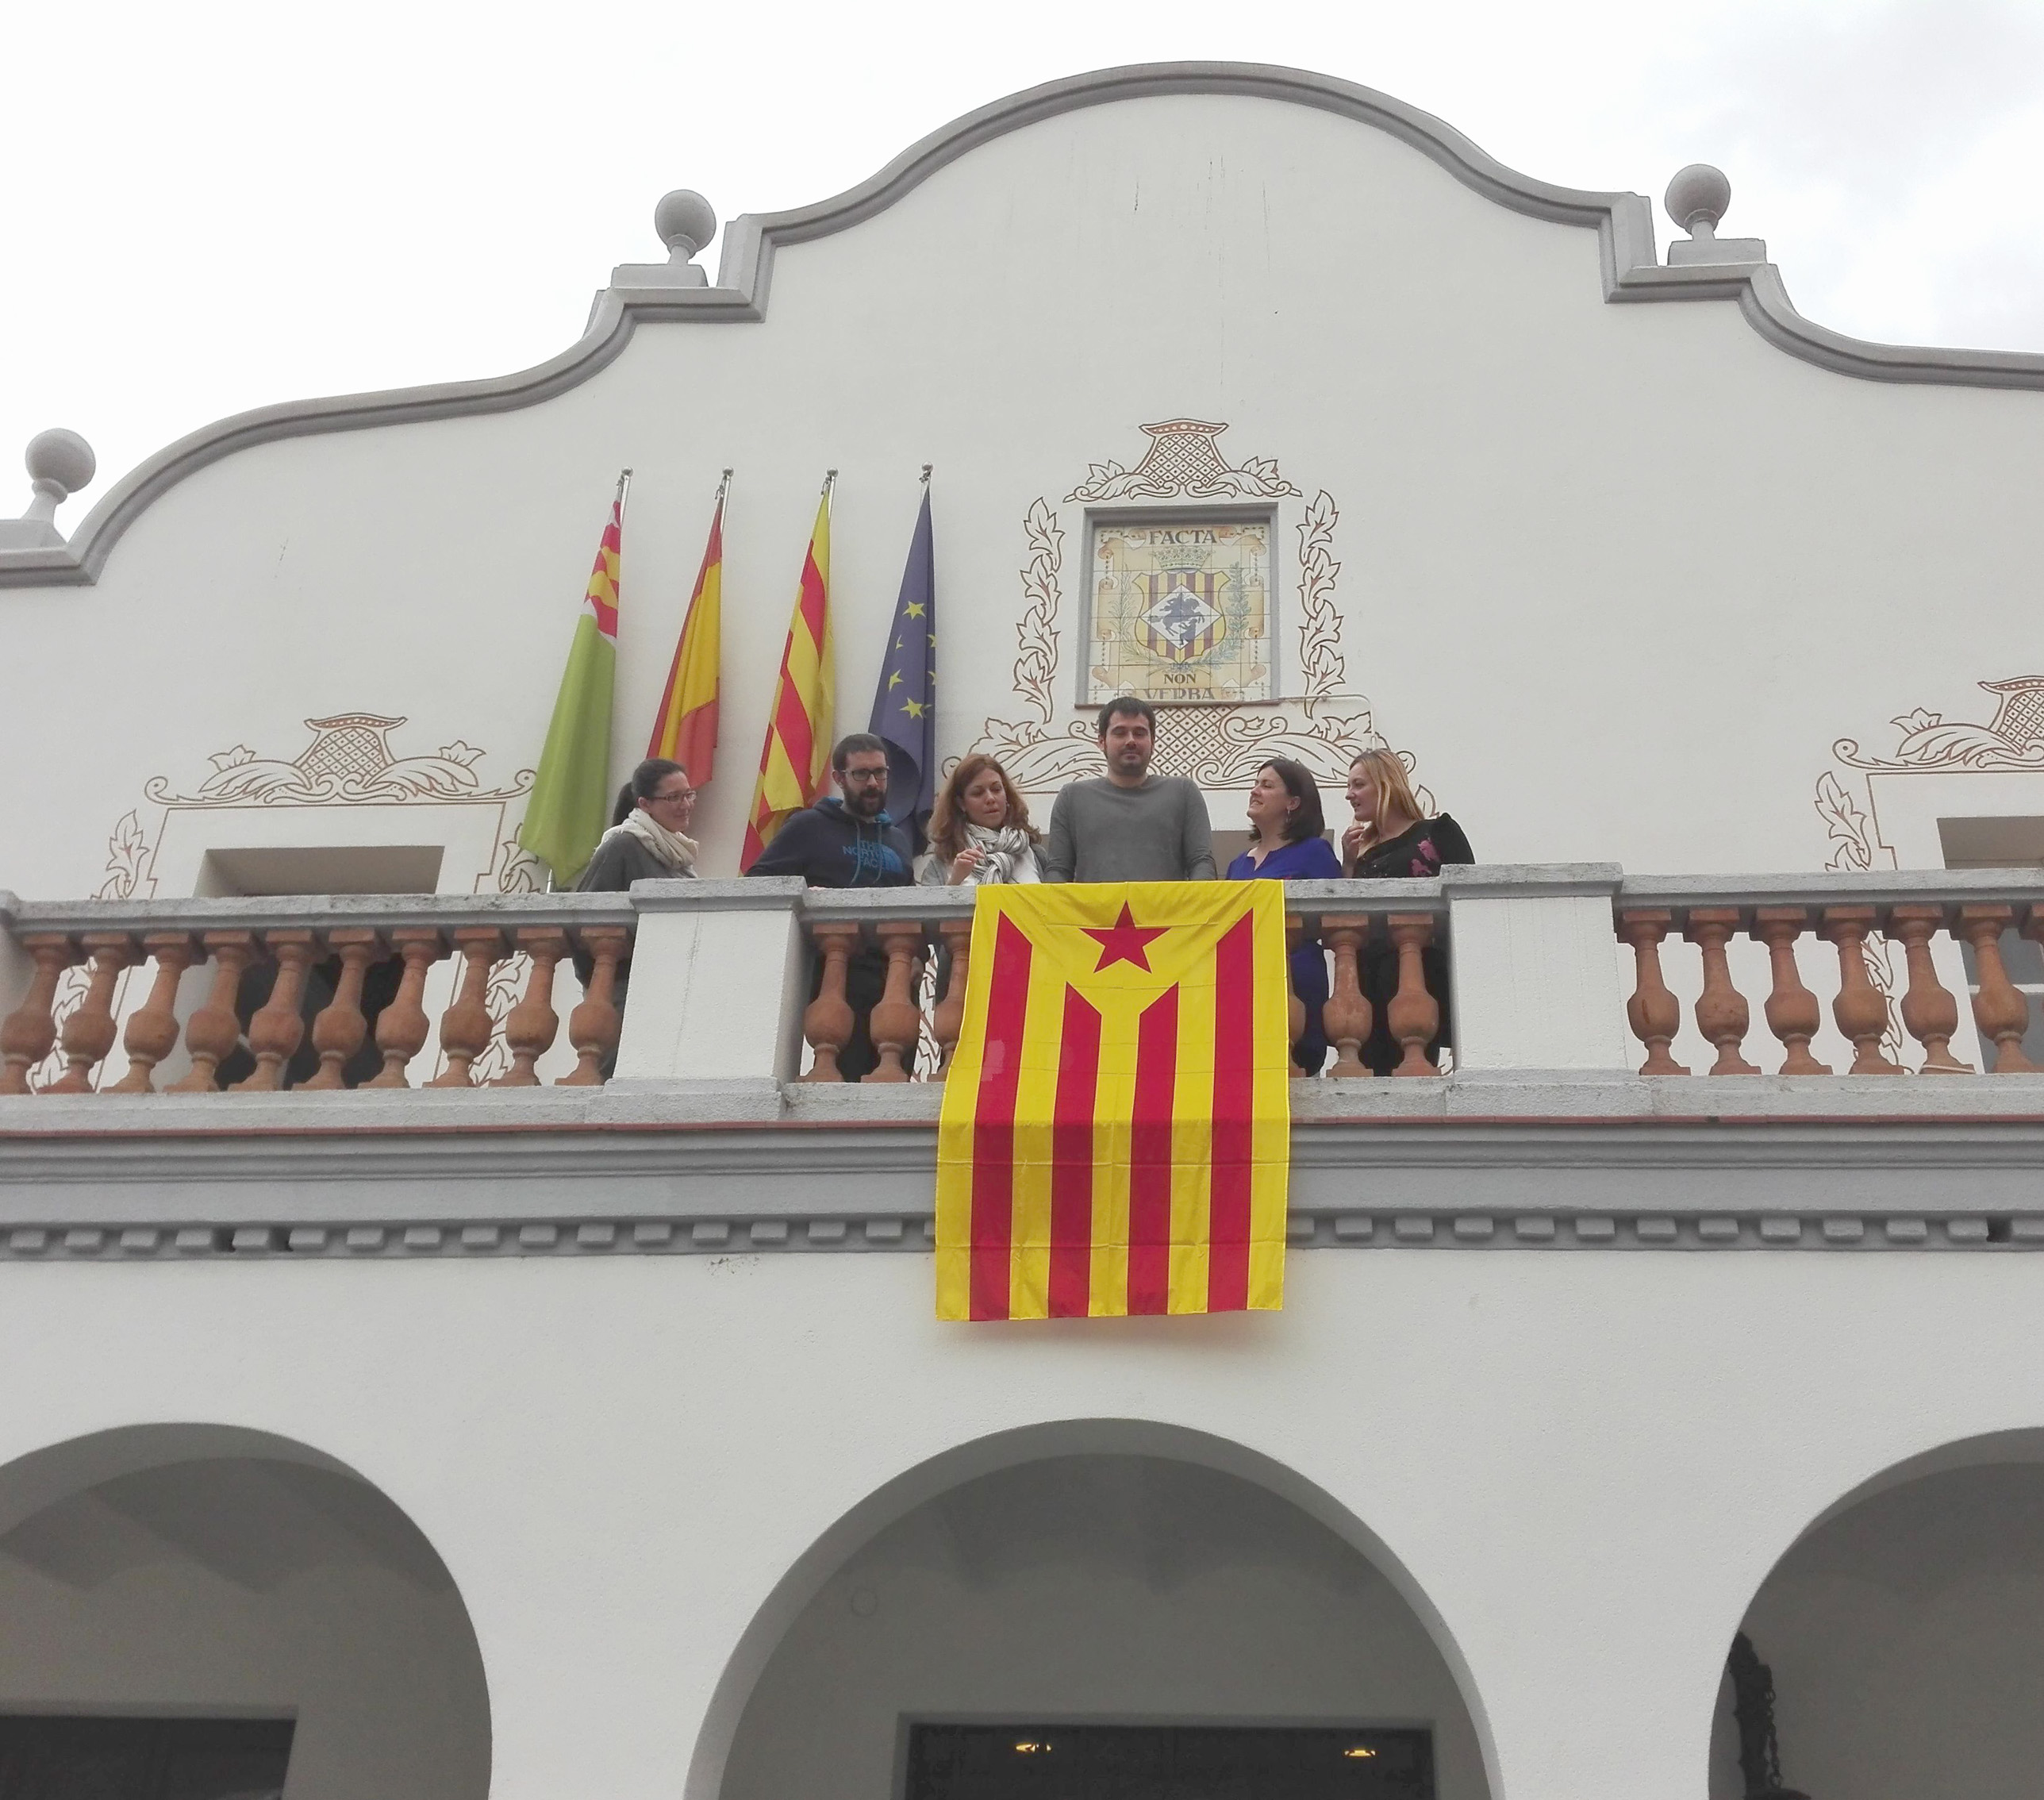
{"x": 371, "y": 868}
{"x": 2003, "y": 844}
{"x": 1038, "y": 1759}
{"x": 50, "y": 1757}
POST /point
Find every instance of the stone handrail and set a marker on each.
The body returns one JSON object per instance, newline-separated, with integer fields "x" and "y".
{"x": 106, "y": 940}
{"x": 746, "y": 981}
{"x": 1929, "y": 914}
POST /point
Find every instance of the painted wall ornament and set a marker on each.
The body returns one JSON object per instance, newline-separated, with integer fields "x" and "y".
{"x": 348, "y": 762}
{"x": 1183, "y": 462}
{"x": 2013, "y": 739}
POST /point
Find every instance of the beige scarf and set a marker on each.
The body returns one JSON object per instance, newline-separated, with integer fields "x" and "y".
{"x": 670, "y": 848}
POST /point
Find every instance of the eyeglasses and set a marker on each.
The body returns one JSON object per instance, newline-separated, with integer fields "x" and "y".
{"x": 669, "y": 799}
{"x": 863, "y": 774}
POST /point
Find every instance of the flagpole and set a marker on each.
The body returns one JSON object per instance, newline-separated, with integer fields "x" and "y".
{"x": 623, "y": 482}
{"x": 927, "y": 467}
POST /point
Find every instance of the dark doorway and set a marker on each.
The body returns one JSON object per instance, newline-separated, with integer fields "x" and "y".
{"x": 1053, "y": 1762}
{"x": 76, "y": 1758}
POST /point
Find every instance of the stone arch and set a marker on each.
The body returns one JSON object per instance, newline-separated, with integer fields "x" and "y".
{"x": 176, "y": 1569}
{"x": 1902, "y": 1629}
{"x": 895, "y": 1500}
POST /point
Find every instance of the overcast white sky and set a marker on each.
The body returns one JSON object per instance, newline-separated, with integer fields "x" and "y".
{"x": 213, "y": 206}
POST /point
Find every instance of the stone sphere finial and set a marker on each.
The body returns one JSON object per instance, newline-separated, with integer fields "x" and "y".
{"x": 685, "y": 222}
{"x": 1698, "y": 197}
{"x": 62, "y": 460}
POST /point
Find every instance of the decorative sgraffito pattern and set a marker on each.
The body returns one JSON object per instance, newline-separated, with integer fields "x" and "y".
{"x": 1320, "y": 660}
{"x": 348, "y": 763}
{"x": 1183, "y": 462}
{"x": 2013, "y": 739}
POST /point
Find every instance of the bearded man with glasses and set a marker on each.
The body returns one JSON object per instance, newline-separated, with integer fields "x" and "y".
{"x": 846, "y": 840}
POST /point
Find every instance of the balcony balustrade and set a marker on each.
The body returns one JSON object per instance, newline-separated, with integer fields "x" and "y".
{"x": 748, "y": 979}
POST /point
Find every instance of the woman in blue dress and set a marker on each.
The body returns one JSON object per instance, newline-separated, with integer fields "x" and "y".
{"x": 1284, "y": 813}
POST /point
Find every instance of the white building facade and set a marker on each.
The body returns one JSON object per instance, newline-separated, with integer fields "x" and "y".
{"x": 600, "y": 1438}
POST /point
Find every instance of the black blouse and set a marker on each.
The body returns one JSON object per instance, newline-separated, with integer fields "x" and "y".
{"x": 1419, "y": 850}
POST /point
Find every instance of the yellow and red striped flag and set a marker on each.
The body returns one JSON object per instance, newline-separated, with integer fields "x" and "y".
{"x": 684, "y": 728}
{"x": 1115, "y": 1134}
{"x": 796, "y": 753}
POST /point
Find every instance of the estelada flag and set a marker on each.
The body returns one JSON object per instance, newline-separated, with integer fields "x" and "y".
{"x": 1115, "y": 1134}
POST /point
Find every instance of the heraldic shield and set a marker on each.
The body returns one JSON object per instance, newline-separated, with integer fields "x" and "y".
{"x": 1181, "y": 620}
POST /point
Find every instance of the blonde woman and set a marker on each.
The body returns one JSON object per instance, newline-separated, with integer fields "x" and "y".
{"x": 980, "y": 833}
{"x": 1393, "y": 839}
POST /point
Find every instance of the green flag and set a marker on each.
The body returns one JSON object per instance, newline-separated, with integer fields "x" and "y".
{"x": 571, "y": 802}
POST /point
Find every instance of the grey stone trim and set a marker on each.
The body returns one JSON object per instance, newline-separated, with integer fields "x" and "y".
{"x": 1950, "y": 888}
{"x": 1530, "y": 881}
{"x": 701, "y": 1169}
{"x": 1624, "y": 222}
{"x": 326, "y": 912}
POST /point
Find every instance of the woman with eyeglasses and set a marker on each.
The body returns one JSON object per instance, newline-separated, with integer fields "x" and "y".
{"x": 647, "y": 839}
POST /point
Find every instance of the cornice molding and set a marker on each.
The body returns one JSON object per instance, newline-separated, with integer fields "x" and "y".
{"x": 574, "y": 1182}
{"x": 1624, "y": 221}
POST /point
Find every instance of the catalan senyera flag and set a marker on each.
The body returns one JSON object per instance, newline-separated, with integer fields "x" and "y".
{"x": 796, "y": 753}
{"x": 685, "y": 727}
{"x": 1115, "y": 1134}
{"x": 570, "y": 800}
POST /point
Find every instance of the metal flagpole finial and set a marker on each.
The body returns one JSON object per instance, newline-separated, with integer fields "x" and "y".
{"x": 624, "y": 481}
{"x": 927, "y": 467}
{"x": 723, "y": 486}
{"x": 830, "y": 479}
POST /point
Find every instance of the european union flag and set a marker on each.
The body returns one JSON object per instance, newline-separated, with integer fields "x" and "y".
{"x": 905, "y": 706}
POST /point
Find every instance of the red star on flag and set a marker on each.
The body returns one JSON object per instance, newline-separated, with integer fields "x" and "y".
{"x": 1123, "y": 941}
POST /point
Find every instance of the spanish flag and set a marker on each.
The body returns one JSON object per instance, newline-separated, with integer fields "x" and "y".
{"x": 796, "y": 753}
{"x": 684, "y": 728}
{"x": 1115, "y": 1134}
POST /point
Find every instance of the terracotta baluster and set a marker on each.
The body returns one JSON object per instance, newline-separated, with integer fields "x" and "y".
{"x": 339, "y": 1030}
{"x": 213, "y": 1032}
{"x": 533, "y": 1024}
{"x": 2001, "y": 1009}
{"x": 1348, "y": 1015}
{"x": 402, "y": 1027}
{"x": 948, "y": 1018}
{"x": 153, "y": 1032}
{"x": 595, "y": 1024}
{"x": 1295, "y": 934}
{"x": 88, "y": 1034}
{"x": 1722, "y": 1014}
{"x": 826, "y": 1020}
{"x": 1929, "y": 1013}
{"x": 1414, "y": 1015}
{"x": 1860, "y": 1008}
{"x": 279, "y": 1027}
{"x": 896, "y": 1022}
{"x": 466, "y": 1025}
{"x": 1792, "y": 1012}
{"x": 1652, "y": 1011}
{"x": 27, "y": 1033}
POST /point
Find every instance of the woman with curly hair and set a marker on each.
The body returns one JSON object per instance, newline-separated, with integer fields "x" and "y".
{"x": 980, "y": 831}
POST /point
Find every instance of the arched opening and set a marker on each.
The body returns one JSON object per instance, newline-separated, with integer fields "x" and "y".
{"x": 1139, "y": 1586}
{"x": 207, "y": 1612}
{"x": 1899, "y": 1643}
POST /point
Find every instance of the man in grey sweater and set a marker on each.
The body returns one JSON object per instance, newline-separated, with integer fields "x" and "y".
{"x": 1129, "y": 825}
